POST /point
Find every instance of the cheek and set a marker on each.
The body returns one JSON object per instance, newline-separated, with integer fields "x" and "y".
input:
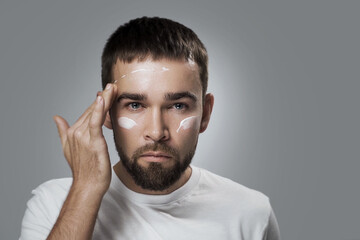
{"x": 188, "y": 124}
{"x": 185, "y": 127}
{"x": 127, "y": 133}
{"x": 126, "y": 123}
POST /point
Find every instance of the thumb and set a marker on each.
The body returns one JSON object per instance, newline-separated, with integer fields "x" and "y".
{"x": 62, "y": 126}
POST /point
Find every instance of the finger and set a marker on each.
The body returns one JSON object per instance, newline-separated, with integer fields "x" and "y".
{"x": 62, "y": 126}
{"x": 114, "y": 95}
{"x": 96, "y": 119}
{"x": 82, "y": 119}
{"x": 84, "y": 127}
{"x": 109, "y": 95}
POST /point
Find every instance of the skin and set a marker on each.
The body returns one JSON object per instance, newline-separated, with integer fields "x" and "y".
{"x": 157, "y": 118}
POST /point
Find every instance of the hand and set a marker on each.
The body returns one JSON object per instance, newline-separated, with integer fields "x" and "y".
{"x": 84, "y": 145}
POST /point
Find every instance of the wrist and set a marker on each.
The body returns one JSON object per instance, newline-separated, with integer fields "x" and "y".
{"x": 88, "y": 191}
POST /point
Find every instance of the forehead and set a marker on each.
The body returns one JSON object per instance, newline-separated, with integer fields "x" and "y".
{"x": 164, "y": 74}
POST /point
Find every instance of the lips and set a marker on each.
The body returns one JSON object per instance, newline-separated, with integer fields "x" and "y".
{"x": 155, "y": 156}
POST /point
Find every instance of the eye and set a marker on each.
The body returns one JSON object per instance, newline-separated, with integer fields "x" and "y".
{"x": 179, "y": 106}
{"x": 134, "y": 105}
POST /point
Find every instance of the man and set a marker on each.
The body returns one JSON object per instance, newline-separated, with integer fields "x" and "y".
{"x": 154, "y": 76}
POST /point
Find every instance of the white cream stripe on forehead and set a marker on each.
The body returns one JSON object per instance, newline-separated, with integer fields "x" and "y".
{"x": 163, "y": 69}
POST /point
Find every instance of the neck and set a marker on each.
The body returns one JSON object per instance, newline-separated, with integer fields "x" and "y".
{"x": 129, "y": 182}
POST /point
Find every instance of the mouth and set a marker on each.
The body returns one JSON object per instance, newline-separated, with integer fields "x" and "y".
{"x": 156, "y": 156}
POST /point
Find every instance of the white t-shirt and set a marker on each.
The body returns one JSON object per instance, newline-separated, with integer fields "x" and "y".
{"x": 206, "y": 207}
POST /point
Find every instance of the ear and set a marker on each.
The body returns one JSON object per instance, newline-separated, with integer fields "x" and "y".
{"x": 207, "y": 109}
{"x": 107, "y": 122}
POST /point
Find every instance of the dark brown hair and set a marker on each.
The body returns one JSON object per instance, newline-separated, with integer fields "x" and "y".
{"x": 157, "y": 38}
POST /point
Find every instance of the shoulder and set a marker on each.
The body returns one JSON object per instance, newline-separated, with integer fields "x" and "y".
{"x": 55, "y": 186}
{"x": 50, "y": 194}
{"x": 238, "y": 204}
{"x": 44, "y": 207}
{"x": 249, "y": 202}
{"x": 227, "y": 186}
{"x": 53, "y": 191}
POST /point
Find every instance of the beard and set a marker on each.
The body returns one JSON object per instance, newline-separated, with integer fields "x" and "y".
{"x": 155, "y": 176}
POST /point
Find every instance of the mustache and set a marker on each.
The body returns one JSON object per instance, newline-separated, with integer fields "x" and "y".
{"x": 156, "y": 147}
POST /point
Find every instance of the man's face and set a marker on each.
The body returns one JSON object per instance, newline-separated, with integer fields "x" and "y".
{"x": 156, "y": 119}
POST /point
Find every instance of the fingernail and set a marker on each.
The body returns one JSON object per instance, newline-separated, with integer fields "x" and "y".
{"x": 108, "y": 86}
{"x": 99, "y": 99}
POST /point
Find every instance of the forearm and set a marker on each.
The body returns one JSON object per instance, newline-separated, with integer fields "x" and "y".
{"x": 86, "y": 151}
{"x": 78, "y": 215}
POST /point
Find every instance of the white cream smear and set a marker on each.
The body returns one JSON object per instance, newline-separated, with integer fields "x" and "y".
{"x": 187, "y": 123}
{"x": 127, "y": 123}
{"x": 163, "y": 69}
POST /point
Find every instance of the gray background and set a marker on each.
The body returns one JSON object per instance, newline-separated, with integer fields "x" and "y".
{"x": 285, "y": 75}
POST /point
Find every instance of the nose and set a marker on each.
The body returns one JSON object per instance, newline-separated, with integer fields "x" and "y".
{"x": 156, "y": 128}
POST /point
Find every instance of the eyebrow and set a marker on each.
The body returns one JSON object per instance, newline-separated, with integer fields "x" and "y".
{"x": 168, "y": 96}
{"x": 179, "y": 95}
{"x": 132, "y": 96}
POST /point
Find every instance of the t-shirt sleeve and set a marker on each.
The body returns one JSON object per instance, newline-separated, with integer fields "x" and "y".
{"x": 43, "y": 209}
{"x": 272, "y": 231}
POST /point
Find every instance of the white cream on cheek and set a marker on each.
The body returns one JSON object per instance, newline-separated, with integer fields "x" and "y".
{"x": 189, "y": 122}
{"x": 126, "y": 123}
